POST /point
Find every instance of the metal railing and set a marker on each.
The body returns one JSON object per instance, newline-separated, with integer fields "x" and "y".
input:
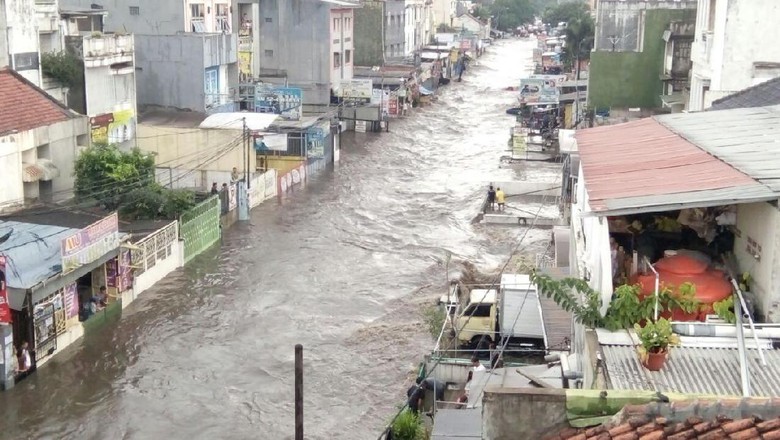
{"x": 154, "y": 248}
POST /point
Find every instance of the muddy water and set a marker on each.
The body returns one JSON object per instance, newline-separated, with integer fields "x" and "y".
{"x": 341, "y": 266}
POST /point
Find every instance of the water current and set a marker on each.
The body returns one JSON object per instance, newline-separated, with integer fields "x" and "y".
{"x": 342, "y": 266}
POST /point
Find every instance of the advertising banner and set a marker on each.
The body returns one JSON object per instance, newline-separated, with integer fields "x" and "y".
{"x": 557, "y": 79}
{"x": 71, "y": 301}
{"x": 538, "y": 91}
{"x": 125, "y": 271}
{"x": 270, "y": 142}
{"x": 392, "y": 105}
{"x": 90, "y": 243}
{"x": 112, "y": 128}
{"x": 5, "y": 309}
{"x": 356, "y": 90}
{"x": 315, "y": 139}
{"x": 283, "y": 101}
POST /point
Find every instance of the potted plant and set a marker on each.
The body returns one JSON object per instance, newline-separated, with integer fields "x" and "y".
{"x": 656, "y": 338}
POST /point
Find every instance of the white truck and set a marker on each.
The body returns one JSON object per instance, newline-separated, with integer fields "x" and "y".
{"x": 514, "y": 312}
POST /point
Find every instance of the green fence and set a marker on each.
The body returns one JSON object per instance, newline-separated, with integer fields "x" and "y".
{"x": 199, "y": 227}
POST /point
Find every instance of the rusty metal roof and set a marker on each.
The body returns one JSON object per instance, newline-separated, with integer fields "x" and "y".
{"x": 643, "y": 166}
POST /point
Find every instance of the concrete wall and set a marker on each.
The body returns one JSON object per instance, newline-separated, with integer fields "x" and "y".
{"x": 729, "y": 41}
{"x": 759, "y": 223}
{"x": 443, "y": 11}
{"x": 632, "y": 79}
{"x": 622, "y": 22}
{"x": 293, "y": 43}
{"x": 12, "y": 190}
{"x": 369, "y": 29}
{"x": 193, "y": 148}
{"x": 172, "y": 68}
{"x": 4, "y": 61}
{"x": 21, "y": 33}
{"x": 155, "y": 17}
{"x": 522, "y": 413}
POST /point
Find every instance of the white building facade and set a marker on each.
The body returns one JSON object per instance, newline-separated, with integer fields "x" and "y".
{"x": 730, "y": 50}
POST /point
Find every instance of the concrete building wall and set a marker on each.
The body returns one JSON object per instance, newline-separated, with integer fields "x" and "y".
{"x": 342, "y": 45}
{"x": 621, "y": 22}
{"x": 369, "y": 31}
{"x": 172, "y": 69}
{"x": 4, "y": 61}
{"x": 395, "y": 37}
{"x": 21, "y": 33}
{"x": 527, "y": 413}
{"x": 291, "y": 45}
{"x": 758, "y": 225}
{"x": 153, "y": 17}
{"x": 191, "y": 148}
{"x": 12, "y": 190}
{"x": 632, "y": 78}
{"x": 443, "y": 12}
{"x": 729, "y": 53}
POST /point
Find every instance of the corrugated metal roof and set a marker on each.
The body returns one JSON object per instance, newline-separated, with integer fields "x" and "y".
{"x": 461, "y": 424}
{"x": 761, "y": 95}
{"x": 32, "y": 251}
{"x": 747, "y": 138}
{"x": 694, "y": 370}
{"x": 643, "y": 164}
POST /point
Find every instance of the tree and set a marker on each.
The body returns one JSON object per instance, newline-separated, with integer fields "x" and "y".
{"x": 509, "y": 14}
{"x": 565, "y": 12}
{"x": 125, "y": 181}
{"x": 579, "y": 33}
{"x": 64, "y": 67}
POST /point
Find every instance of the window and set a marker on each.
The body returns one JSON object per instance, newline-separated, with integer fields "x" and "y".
{"x": 478, "y": 310}
{"x": 269, "y": 20}
{"x": 269, "y": 53}
{"x": 336, "y": 59}
{"x": 347, "y": 56}
{"x": 135, "y": 10}
{"x": 211, "y": 85}
{"x": 223, "y": 21}
{"x": 197, "y": 18}
{"x": 347, "y": 23}
{"x": 335, "y": 23}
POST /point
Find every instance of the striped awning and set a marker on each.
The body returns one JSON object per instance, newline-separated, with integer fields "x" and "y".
{"x": 43, "y": 169}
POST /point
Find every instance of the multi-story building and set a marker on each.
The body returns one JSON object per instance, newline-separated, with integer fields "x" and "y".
{"x": 729, "y": 51}
{"x": 283, "y": 42}
{"x": 19, "y": 44}
{"x": 379, "y": 32}
{"x": 185, "y": 51}
{"x": 628, "y": 64}
{"x": 414, "y": 26}
{"x": 443, "y": 12}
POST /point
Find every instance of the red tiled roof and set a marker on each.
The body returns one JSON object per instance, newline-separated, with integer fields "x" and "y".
{"x": 644, "y": 158}
{"x": 707, "y": 421}
{"x": 24, "y": 106}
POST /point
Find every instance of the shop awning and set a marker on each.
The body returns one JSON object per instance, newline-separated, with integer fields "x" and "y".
{"x": 43, "y": 169}
{"x": 424, "y": 91}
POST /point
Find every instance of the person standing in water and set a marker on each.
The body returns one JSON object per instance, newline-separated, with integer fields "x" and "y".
{"x": 491, "y": 198}
{"x": 500, "y": 196}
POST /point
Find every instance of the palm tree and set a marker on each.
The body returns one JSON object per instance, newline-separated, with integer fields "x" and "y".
{"x": 579, "y": 33}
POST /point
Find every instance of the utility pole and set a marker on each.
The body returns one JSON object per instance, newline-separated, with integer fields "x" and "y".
{"x": 242, "y": 186}
{"x": 298, "y": 392}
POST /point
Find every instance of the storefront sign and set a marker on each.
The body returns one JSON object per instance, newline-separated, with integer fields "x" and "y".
{"x": 356, "y": 90}
{"x": 5, "y": 309}
{"x": 315, "y": 139}
{"x": 90, "y": 243}
{"x": 283, "y": 101}
{"x": 71, "y": 301}
{"x": 538, "y": 91}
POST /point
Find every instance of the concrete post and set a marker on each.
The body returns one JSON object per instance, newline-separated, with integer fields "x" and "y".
{"x": 243, "y": 201}
{"x": 6, "y": 357}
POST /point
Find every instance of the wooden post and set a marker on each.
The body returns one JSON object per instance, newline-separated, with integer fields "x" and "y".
{"x": 298, "y": 392}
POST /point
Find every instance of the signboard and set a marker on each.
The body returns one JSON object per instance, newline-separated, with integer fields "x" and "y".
{"x": 283, "y": 101}
{"x": 90, "y": 243}
{"x": 315, "y": 139}
{"x": 71, "y": 301}
{"x": 356, "y": 89}
{"x": 557, "y": 79}
{"x": 125, "y": 270}
{"x": 270, "y": 142}
{"x": 5, "y": 309}
{"x": 112, "y": 128}
{"x": 538, "y": 91}
{"x": 392, "y": 105}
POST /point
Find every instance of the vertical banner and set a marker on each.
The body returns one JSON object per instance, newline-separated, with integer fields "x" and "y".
{"x": 71, "y": 301}
{"x": 5, "y": 309}
{"x": 125, "y": 271}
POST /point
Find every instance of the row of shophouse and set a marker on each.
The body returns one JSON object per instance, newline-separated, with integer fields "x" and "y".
{"x": 261, "y": 88}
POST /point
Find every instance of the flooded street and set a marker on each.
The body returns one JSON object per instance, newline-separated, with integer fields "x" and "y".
{"x": 341, "y": 266}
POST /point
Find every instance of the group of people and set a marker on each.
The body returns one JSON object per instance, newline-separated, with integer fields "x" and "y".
{"x": 496, "y": 197}
{"x": 95, "y": 304}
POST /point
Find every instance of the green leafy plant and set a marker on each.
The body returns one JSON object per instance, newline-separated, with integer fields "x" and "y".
{"x": 656, "y": 337}
{"x": 409, "y": 426}
{"x": 685, "y": 298}
{"x": 154, "y": 201}
{"x": 626, "y": 308}
{"x": 744, "y": 282}
{"x": 64, "y": 67}
{"x": 434, "y": 317}
{"x": 565, "y": 293}
{"x": 725, "y": 310}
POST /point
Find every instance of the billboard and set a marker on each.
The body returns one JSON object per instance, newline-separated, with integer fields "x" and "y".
{"x": 90, "y": 243}
{"x": 538, "y": 91}
{"x": 356, "y": 90}
{"x": 558, "y": 79}
{"x": 5, "y": 309}
{"x": 283, "y": 101}
{"x": 315, "y": 139}
{"x": 112, "y": 128}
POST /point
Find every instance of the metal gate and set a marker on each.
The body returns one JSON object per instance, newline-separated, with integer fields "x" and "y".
{"x": 199, "y": 228}
{"x": 45, "y": 326}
